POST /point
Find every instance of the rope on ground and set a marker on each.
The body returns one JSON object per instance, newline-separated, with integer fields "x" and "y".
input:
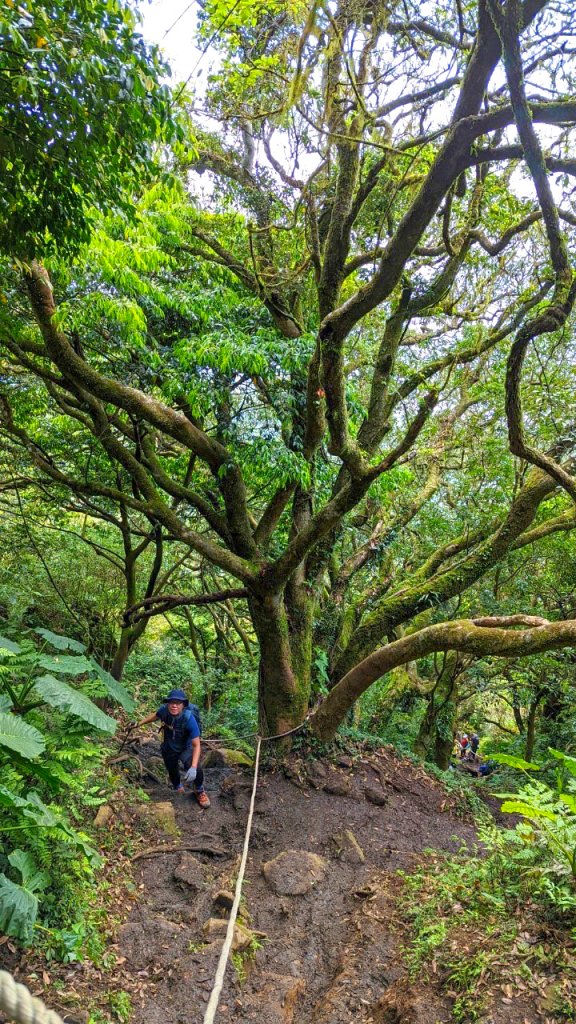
{"x": 24, "y": 1008}
{"x": 219, "y": 979}
{"x": 21, "y": 1006}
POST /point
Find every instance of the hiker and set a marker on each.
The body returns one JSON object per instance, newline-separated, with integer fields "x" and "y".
{"x": 180, "y": 743}
{"x": 463, "y": 746}
{"x": 474, "y": 743}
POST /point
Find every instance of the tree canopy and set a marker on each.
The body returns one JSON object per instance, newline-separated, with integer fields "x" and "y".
{"x": 329, "y": 361}
{"x": 81, "y": 105}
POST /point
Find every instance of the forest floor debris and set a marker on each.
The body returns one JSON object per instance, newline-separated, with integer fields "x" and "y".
{"x": 333, "y": 954}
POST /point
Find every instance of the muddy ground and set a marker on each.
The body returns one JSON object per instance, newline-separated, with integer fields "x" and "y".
{"x": 326, "y": 955}
{"x": 321, "y": 908}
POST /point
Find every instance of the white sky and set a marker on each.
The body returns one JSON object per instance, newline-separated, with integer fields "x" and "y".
{"x": 176, "y": 40}
{"x": 172, "y": 25}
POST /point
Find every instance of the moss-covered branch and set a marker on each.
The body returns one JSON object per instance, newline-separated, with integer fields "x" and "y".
{"x": 421, "y": 593}
{"x": 462, "y": 635}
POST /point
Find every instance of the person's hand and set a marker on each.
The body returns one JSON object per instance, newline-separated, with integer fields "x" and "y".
{"x": 190, "y": 775}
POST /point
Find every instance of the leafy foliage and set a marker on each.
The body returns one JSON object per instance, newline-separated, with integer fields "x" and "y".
{"x": 58, "y": 694}
{"x": 551, "y": 811}
{"x": 19, "y": 902}
{"x": 49, "y": 843}
{"x": 472, "y": 915}
{"x": 20, "y": 736}
{"x": 80, "y": 105}
{"x": 289, "y": 369}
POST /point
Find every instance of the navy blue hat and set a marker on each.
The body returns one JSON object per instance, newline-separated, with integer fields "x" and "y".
{"x": 177, "y": 695}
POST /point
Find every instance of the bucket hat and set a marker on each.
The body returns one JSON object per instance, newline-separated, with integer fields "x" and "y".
{"x": 177, "y": 695}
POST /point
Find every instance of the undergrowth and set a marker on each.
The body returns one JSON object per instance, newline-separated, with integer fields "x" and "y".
{"x": 490, "y": 918}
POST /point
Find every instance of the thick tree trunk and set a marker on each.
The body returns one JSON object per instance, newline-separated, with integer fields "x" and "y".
{"x": 128, "y": 638}
{"x": 444, "y": 739}
{"x": 299, "y": 607}
{"x": 436, "y": 736}
{"x": 531, "y": 729}
{"x": 283, "y": 689}
{"x": 121, "y": 654}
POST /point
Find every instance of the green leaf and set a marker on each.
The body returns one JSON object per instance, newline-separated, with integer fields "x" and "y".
{"x": 115, "y": 689}
{"x": 61, "y": 643}
{"x": 527, "y": 810}
{"x": 568, "y": 762}
{"x": 31, "y": 806}
{"x": 18, "y": 910}
{"x": 516, "y": 762}
{"x": 9, "y": 645}
{"x": 33, "y": 879}
{"x": 40, "y": 813}
{"x": 39, "y": 771}
{"x": 20, "y": 736}
{"x": 58, "y": 694}
{"x": 10, "y": 799}
{"x": 67, "y": 664}
{"x": 570, "y": 800}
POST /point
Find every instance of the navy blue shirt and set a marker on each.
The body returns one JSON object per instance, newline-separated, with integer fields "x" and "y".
{"x": 178, "y": 730}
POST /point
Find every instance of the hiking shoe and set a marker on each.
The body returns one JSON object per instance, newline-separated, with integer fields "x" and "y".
{"x": 202, "y": 798}
{"x": 179, "y": 789}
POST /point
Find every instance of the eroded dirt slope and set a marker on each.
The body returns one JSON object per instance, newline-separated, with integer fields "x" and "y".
{"x": 327, "y": 955}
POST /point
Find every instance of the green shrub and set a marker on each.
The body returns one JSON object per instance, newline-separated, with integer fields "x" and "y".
{"x": 47, "y": 862}
{"x": 549, "y": 813}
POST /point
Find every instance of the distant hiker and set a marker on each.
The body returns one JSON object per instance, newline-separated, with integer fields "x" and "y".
{"x": 464, "y": 742}
{"x": 487, "y": 768}
{"x": 180, "y": 743}
{"x": 474, "y": 743}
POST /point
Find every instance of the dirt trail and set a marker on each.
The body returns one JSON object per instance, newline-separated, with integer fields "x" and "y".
{"x": 328, "y": 955}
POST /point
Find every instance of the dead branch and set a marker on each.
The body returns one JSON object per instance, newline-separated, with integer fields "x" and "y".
{"x": 196, "y": 846}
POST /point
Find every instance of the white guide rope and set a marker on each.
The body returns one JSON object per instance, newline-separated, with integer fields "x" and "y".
{"x": 24, "y": 1008}
{"x": 21, "y": 1006}
{"x": 219, "y": 979}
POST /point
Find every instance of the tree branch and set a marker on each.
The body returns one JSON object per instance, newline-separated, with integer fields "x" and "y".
{"x": 461, "y": 635}
{"x": 159, "y": 604}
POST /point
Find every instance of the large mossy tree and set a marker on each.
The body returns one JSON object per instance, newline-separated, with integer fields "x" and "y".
{"x": 308, "y": 371}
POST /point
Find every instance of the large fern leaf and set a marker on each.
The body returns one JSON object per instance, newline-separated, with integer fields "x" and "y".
{"x": 20, "y": 736}
{"x": 66, "y": 664}
{"x": 33, "y": 879}
{"x": 61, "y": 643}
{"x": 9, "y": 645}
{"x": 10, "y": 799}
{"x": 37, "y": 770}
{"x": 568, "y": 762}
{"x": 40, "y": 813}
{"x": 18, "y": 910}
{"x": 31, "y": 806}
{"x": 115, "y": 689}
{"x": 58, "y": 694}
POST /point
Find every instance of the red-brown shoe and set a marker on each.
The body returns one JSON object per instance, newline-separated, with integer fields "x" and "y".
{"x": 203, "y": 799}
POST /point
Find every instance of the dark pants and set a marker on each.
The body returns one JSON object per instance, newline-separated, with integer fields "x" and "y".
{"x": 171, "y": 759}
